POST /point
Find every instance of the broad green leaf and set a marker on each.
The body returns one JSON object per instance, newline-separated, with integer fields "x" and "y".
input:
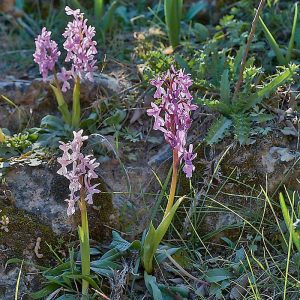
{"x": 109, "y": 273}
{"x": 148, "y": 249}
{"x": 52, "y": 122}
{"x": 165, "y": 223}
{"x": 28, "y": 263}
{"x": 154, "y": 237}
{"x": 62, "y": 105}
{"x": 47, "y": 290}
{"x": 169, "y": 291}
{"x": 173, "y": 11}
{"x": 122, "y": 245}
{"x": 152, "y": 287}
{"x": 111, "y": 254}
{"x": 217, "y": 275}
{"x": 162, "y": 254}
{"x": 218, "y": 130}
{"x": 88, "y": 122}
{"x": 116, "y": 118}
{"x": 195, "y": 9}
{"x": 201, "y": 32}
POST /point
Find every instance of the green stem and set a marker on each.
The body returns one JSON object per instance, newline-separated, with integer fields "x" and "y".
{"x": 76, "y": 104}
{"x": 62, "y": 105}
{"x": 84, "y": 247}
{"x": 173, "y": 183}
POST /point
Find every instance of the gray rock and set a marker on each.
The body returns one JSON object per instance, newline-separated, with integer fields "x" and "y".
{"x": 39, "y": 191}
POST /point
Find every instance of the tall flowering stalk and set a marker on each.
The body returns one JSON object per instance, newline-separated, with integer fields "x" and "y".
{"x": 79, "y": 169}
{"x": 81, "y": 51}
{"x": 172, "y": 116}
{"x": 46, "y": 56}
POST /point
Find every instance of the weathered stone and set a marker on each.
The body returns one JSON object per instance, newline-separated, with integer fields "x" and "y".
{"x": 19, "y": 241}
{"x": 35, "y": 99}
{"x": 41, "y": 192}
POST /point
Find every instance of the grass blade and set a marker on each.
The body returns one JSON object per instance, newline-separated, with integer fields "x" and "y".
{"x": 18, "y": 282}
{"x": 273, "y": 43}
{"x": 292, "y": 40}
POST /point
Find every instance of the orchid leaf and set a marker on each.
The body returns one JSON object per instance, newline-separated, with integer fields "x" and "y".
{"x": 62, "y": 105}
{"x": 154, "y": 237}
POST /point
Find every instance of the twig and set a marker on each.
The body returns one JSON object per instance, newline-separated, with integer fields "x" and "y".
{"x": 184, "y": 272}
{"x": 250, "y": 38}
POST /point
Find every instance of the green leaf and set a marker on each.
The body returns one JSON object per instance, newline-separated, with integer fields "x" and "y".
{"x": 292, "y": 39}
{"x": 218, "y": 130}
{"x": 217, "y": 275}
{"x": 242, "y": 127}
{"x": 273, "y": 43}
{"x": 90, "y": 121}
{"x": 246, "y": 102}
{"x": 238, "y": 60}
{"x": 108, "y": 18}
{"x": 90, "y": 280}
{"x": 225, "y": 87}
{"x": 68, "y": 297}
{"x": 173, "y": 11}
{"x": 217, "y": 105}
{"x": 154, "y": 237}
{"x": 276, "y": 82}
{"x": 201, "y": 32}
{"x": 116, "y": 118}
{"x": 288, "y": 221}
{"x": 47, "y": 290}
{"x": 62, "y": 105}
{"x": 109, "y": 273}
{"x": 152, "y": 287}
{"x": 163, "y": 253}
{"x": 122, "y": 245}
{"x": 195, "y": 9}
{"x": 148, "y": 249}
{"x": 53, "y": 123}
{"x": 182, "y": 63}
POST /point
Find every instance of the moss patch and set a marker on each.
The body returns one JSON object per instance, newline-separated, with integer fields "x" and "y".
{"x": 102, "y": 215}
{"x": 20, "y": 240}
